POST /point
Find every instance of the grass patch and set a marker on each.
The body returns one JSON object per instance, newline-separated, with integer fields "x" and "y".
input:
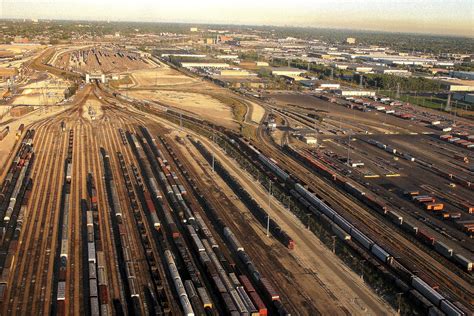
{"x": 239, "y": 109}
{"x": 249, "y": 131}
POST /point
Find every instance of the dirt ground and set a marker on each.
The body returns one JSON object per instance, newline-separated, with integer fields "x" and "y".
{"x": 257, "y": 112}
{"x": 201, "y": 104}
{"x": 46, "y": 92}
{"x": 94, "y": 105}
{"x": 161, "y": 76}
{"x": 19, "y": 49}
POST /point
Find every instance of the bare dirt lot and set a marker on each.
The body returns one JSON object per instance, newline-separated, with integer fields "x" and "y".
{"x": 161, "y": 76}
{"x": 201, "y": 104}
{"x": 92, "y": 109}
{"x": 46, "y": 92}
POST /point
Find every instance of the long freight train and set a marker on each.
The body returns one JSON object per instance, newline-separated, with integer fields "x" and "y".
{"x": 318, "y": 207}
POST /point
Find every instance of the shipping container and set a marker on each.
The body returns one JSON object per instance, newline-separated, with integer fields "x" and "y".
{"x": 269, "y": 290}
{"x": 61, "y": 296}
{"x": 443, "y": 249}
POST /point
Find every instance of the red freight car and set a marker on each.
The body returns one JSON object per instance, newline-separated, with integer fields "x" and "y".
{"x": 269, "y": 290}
{"x": 425, "y": 237}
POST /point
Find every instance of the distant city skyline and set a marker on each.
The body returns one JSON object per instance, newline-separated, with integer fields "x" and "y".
{"x": 450, "y": 17}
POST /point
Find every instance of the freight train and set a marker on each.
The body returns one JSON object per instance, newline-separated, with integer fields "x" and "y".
{"x": 260, "y": 214}
{"x": 15, "y": 193}
{"x": 222, "y": 276}
{"x": 318, "y": 207}
{"x": 369, "y": 200}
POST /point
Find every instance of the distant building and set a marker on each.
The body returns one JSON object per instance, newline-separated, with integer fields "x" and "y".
{"x": 329, "y": 86}
{"x": 262, "y": 64}
{"x": 457, "y": 85}
{"x": 20, "y": 40}
{"x": 193, "y": 29}
{"x": 234, "y": 72}
{"x": 341, "y": 66}
{"x": 466, "y": 75}
{"x": 287, "y": 71}
{"x": 360, "y": 68}
{"x": 227, "y": 56}
{"x": 395, "y": 72}
{"x": 351, "y": 40}
{"x": 224, "y": 38}
{"x": 185, "y": 55}
{"x": 210, "y": 41}
{"x": 205, "y": 65}
{"x": 310, "y": 140}
{"x": 355, "y": 93}
{"x": 466, "y": 97}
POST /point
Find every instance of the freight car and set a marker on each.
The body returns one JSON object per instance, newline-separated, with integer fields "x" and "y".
{"x": 260, "y": 214}
{"x": 179, "y": 287}
{"x": 322, "y": 207}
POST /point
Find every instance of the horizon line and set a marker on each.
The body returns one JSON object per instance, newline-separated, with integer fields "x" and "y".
{"x": 245, "y": 24}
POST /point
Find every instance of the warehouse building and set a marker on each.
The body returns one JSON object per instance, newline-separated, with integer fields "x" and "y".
{"x": 466, "y": 75}
{"x": 205, "y": 65}
{"x": 230, "y": 57}
{"x": 457, "y": 85}
{"x": 287, "y": 71}
{"x": 355, "y": 93}
{"x": 466, "y": 97}
{"x": 393, "y": 71}
{"x": 361, "y": 68}
{"x": 234, "y": 73}
{"x": 351, "y": 40}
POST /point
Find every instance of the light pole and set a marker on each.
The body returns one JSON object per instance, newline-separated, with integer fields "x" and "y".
{"x": 269, "y": 205}
{"x": 333, "y": 243}
{"x": 399, "y": 302}
{"x": 361, "y": 269}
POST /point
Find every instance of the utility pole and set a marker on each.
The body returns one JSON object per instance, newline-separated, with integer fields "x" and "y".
{"x": 213, "y": 162}
{"x": 348, "y": 147}
{"x": 269, "y": 205}
{"x": 399, "y": 302}
{"x": 398, "y": 91}
{"x": 361, "y": 268}
{"x": 455, "y": 111}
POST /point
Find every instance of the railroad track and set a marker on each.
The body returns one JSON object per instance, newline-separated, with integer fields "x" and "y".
{"x": 234, "y": 219}
{"x": 398, "y": 244}
{"x": 44, "y": 205}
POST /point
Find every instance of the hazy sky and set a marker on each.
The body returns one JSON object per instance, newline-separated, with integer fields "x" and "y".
{"x": 426, "y": 16}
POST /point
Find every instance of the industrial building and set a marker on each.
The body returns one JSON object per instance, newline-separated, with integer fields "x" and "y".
{"x": 360, "y": 68}
{"x": 287, "y": 71}
{"x": 310, "y": 140}
{"x": 457, "y": 85}
{"x": 351, "y": 40}
{"x": 235, "y": 73}
{"x": 329, "y": 86}
{"x": 355, "y": 93}
{"x": 393, "y": 71}
{"x": 466, "y": 75}
{"x": 205, "y": 65}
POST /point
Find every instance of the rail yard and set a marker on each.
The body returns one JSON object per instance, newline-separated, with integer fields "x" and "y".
{"x": 118, "y": 205}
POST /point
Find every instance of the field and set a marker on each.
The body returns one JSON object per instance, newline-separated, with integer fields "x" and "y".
{"x": 201, "y": 104}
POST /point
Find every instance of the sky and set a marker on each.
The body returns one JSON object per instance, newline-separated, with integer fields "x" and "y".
{"x": 452, "y": 17}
